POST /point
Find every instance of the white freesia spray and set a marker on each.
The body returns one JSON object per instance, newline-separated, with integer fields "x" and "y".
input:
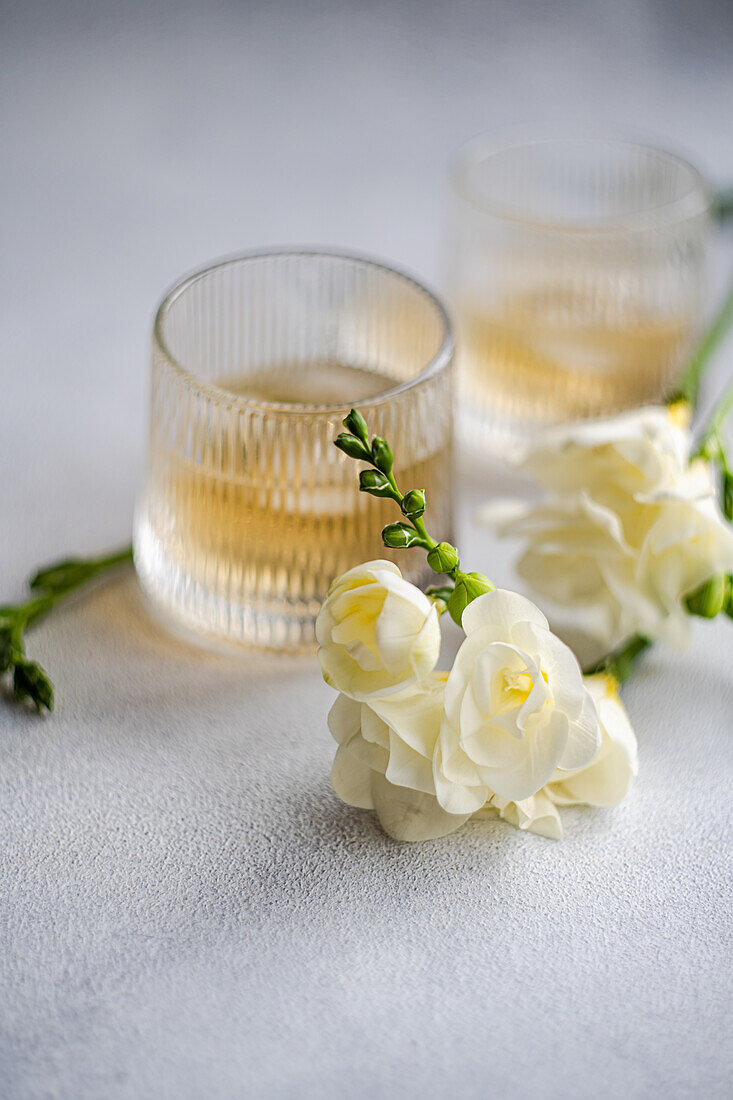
{"x": 629, "y": 533}
{"x": 377, "y": 632}
{"x": 516, "y": 708}
{"x": 512, "y": 729}
{"x": 629, "y": 526}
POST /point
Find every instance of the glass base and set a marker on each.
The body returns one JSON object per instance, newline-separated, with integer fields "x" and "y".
{"x": 208, "y": 618}
{"x": 204, "y": 617}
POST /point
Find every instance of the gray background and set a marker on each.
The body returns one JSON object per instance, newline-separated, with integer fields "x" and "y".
{"x": 186, "y": 909}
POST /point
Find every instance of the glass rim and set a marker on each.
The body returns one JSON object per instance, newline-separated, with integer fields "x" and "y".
{"x": 488, "y": 144}
{"x": 219, "y": 394}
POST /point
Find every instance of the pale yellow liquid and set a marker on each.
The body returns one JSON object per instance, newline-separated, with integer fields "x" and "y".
{"x": 549, "y": 358}
{"x": 272, "y": 522}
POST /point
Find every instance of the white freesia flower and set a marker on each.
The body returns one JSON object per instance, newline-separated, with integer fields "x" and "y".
{"x": 636, "y": 451}
{"x": 516, "y": 708}
{"x": 604, "y": 781}
{"x": 628, "y": 529}
{"x": 377, "y": 632}
{"x": 384, "y": 759}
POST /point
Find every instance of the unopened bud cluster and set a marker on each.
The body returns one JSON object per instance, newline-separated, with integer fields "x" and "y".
{"x": 379, "y": 481}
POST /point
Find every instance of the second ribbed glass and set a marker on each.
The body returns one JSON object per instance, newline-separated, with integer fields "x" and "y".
{"x": 249, "y": 511}
{"x": 576, "y": 278}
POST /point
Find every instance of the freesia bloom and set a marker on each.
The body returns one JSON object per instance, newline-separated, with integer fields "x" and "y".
{"x": 604, "y": 781}
{"x": 629, "y": 526}
{"x": 384, "y": 759}
{"x": 637, "y": 451}
{"x": 516, "y": 708}
{"x": 377, "y": 632}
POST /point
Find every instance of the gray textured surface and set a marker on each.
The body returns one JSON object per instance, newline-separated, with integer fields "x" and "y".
{"x": 186, "y": 910}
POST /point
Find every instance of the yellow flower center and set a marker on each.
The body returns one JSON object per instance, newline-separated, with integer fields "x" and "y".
{"x": 517, "y": 681}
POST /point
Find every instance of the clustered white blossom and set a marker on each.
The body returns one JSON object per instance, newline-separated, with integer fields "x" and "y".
{"x": 513, "y": 729}
{"x": 628, "y": 526}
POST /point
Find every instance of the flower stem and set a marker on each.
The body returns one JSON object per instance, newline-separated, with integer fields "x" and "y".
{"x": 620, "y": 662}
{"x": 411, "y": 530}
{"x": 711, "y": 430}
{"x": 49, "y": 586}
{"x": 688, "y": 387}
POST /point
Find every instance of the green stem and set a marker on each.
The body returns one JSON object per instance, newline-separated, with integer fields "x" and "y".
{"x": 417, "y": 521}
{"x": 49, "y": 586}
{"x": 620, "y": 662}
{"x": 689, "y": 384}
{"x": 722, "y": 205}
{"x": 71, "y": 572}
{"x": 714, "y": 425}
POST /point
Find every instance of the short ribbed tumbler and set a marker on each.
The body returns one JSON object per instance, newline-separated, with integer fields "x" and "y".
{"x": 576, "y": 278}
{"x": 249, "y": 511}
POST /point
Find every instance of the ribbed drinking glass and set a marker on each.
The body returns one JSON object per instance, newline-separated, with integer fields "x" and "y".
{"x": 576, "y": 278}
{"x": 249, "y": 511}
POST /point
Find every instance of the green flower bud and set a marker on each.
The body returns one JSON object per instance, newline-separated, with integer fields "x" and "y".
{"x": 357, "y": 425}
{"x": 710, "y": 598}
{"x": 351, "y": 446}
{"x": 399, "y": 536}
{"x": 374, "y": 483}
{"x": 413, "y": 503}
{"x": 31, "y": 682}
{"x": 468, "y": 587}
{"x": 443, "y": 558}
{"x": 65, "y": 574}
{"x": 382, "y": 456}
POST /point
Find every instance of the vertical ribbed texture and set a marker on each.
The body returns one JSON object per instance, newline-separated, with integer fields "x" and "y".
{"x": 577, "y": 279}
{"x": 249, "y": 511}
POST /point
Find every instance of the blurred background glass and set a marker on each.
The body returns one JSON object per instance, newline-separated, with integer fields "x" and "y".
{"x": 576, "y": 273}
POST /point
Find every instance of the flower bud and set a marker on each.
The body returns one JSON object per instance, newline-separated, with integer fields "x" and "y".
{"x": 710, "y": 598}
{"x": 468, "y": 587}
{"x": 31, "y": 682}
{"x": 64, "y": 574}
{"x": 443, "y": 558}
{"x": 351, "y": 446}
{"x": 382, "y": 456}
{"x": 357, "y": 425}
{"x": 374, "y": 483}
{"x": 399, "y": 536}
{"x": 413, "y": 503}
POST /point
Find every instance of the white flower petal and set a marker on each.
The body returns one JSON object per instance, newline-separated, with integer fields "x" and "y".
{"x": 606, "y": 779}
{"x": 344, "y": 719}
{"x": 584, "y": 736}
{"x": 499, "y": 611}
{"x": 415, "y": 712}
{"x": 407, "y": 768}
{"x": 366, "y": 752}
{"x": 411, "y": 815}
{"x": 537, "y": 814}
{"x": 352, "y": 779}
{"x": 373, "y": 727}
{"x": 456, "y": 798}
{"x": 522, "y": 767}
